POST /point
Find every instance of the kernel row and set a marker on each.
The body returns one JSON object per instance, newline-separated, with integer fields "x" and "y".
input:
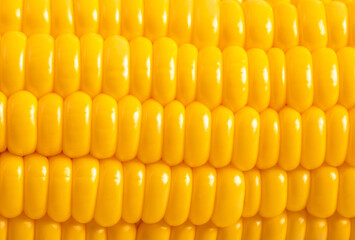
{"x": 127, "y": 129}
{"x": 288, "y": 225}
{"x": 310, "y": 23}
{"x": 108, "y": 190}
{"x": 232, "y": 77}
{"x": 24, "y": 228}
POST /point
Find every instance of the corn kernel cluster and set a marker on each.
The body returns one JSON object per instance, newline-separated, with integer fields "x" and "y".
{"x": 177, "y": 119}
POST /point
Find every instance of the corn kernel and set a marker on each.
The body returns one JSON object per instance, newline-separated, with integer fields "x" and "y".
{"x": 116, "y": 64}
{"x": 39, "y": 64}
{"x": 184, "y": 231}
{"x": 12, "y": 71}
{"x": 203, "y": 194}
{"x": 179, "y": 202}
{"x": 59, "y": 188}
{"x": 122, "y": 231}
{"x": 47, "y": 228}
{"x": 91, "y": 48}
{"x": 157, "y": 190}
{"x": 312, "y": 24}
{"x": 35, "y": 185}
{"x": 84, "y": 188}
{"x": 108, "y": 206}
{"x": 323, "y": 192}
{"x": 36, "y": 16}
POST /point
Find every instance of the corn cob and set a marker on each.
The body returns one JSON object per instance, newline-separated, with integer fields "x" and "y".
{"x": 311, "y": 23}
{"x": 310, "y": 159}
{"x": 287, "y": 225}
{"x": 174, "y": 131}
